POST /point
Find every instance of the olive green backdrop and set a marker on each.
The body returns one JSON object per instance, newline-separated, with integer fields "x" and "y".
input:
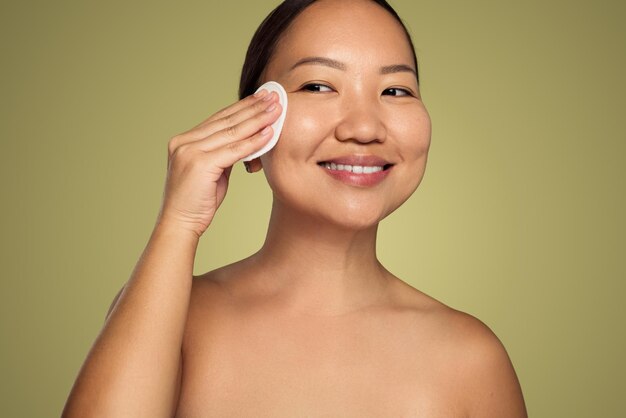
{"x": 519, "y": 220}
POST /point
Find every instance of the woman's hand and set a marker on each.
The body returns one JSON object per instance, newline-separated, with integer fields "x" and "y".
{"x": 201, "y": 159}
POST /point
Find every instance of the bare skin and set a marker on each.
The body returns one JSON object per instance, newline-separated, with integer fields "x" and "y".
{"x": 248, "y": 354}
{"x": 312, "y": 324}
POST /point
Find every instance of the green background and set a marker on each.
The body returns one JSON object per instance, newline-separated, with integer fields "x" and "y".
{"x": 519, "y": 220}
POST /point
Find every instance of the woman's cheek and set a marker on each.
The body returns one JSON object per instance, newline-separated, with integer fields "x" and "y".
{"x": 425, "y": 129}
{"x": 297, "y": 143}
{"x": 306, "y": 126}
{"x": 416, "y": 134}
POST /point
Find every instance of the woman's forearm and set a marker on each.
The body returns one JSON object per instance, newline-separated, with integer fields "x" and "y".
{"x": 132, "y": 368}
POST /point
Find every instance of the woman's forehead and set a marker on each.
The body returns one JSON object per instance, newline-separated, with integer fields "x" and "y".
{"x": 347, "y": 31}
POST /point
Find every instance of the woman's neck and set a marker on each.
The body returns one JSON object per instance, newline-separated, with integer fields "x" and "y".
{"x": 319, "y": 267}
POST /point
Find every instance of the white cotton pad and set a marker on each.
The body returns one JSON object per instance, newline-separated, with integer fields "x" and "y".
{"x": 277, "y": 126}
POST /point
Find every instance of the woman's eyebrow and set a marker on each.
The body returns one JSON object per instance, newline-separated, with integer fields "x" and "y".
{"x": 328, "y": 62}
{"x": 397, "y": 68}
{"x": 320, "y": 61}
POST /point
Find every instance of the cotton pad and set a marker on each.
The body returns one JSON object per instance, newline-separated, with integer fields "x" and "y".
{"x": 277, "y": 126}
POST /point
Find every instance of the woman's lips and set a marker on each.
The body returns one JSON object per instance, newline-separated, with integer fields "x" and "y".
{"x": 363, "y": 176}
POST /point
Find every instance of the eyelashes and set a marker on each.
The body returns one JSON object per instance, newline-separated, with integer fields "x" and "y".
{"x": 322, "y": 88}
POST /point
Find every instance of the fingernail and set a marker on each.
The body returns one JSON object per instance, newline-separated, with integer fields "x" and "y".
{"x": 260, "y": 93}
{"x": 268, "y": 97}
{"x": 271, "y": 108}
{"x": 265, "y": 131}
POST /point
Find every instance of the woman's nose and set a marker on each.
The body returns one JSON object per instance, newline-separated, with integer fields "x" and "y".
{"x": 361, "y": 120}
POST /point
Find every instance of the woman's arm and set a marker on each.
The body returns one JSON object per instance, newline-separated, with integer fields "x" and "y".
{"x": 132, "y": 369}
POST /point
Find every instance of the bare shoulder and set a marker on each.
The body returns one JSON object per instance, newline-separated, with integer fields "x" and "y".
{"x": 469, "y": 354}
{"x": 209, "y": 287}
{"x": 492, "y": 384}
{"x": 218, "y": 287}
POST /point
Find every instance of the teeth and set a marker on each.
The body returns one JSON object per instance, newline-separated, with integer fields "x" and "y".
{"x": 357, "y": 169}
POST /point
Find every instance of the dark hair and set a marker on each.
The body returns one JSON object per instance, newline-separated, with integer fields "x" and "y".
{"x": 268, "y": 34}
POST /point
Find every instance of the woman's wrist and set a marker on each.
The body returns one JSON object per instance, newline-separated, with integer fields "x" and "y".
{"x": 175, "y": 231}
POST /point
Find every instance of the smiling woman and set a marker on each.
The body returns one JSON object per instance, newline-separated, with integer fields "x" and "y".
{"x": 354, "y": 107}
{"x": 310, "y": 323}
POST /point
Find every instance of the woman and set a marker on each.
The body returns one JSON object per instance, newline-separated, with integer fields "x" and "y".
{"x": 312, "y": 324}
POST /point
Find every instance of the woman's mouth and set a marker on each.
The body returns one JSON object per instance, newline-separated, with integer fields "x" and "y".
{"x": 356, "y": 175}
{"x": 357, "y": 169}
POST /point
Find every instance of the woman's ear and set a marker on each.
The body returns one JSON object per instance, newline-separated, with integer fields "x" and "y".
{"x": 254, "y": 165}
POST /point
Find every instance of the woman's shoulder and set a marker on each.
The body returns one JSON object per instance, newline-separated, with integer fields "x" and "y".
{"x": 213, "y": 286}
{"x": 454, "y": 330}
{"x": 467, "y": 352}
{"x": 452, "y": 323}
{"x": 221, "y": 286}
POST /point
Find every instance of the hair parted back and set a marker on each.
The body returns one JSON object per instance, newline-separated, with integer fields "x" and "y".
{"x": 268, "y": 34}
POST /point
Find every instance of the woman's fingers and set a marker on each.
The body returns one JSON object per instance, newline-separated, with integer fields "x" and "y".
{"x": 244, "y": 129}
{"x": 250, "y": 105}
{"x": 232, "y": 119}
{"x": 226, "y": 156}
{"x": 236, "y": 107}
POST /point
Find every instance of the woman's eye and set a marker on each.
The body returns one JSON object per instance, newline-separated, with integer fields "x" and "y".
{"x": 316, "y": 88}
{"x": 398, "y": 92}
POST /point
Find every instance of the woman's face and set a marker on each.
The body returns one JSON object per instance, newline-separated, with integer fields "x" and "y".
{"x": 348, "y": 71}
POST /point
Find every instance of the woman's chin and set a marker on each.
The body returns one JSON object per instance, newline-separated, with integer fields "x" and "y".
{"x": 345, "y": 223}
{"x": 344, "y": 216}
